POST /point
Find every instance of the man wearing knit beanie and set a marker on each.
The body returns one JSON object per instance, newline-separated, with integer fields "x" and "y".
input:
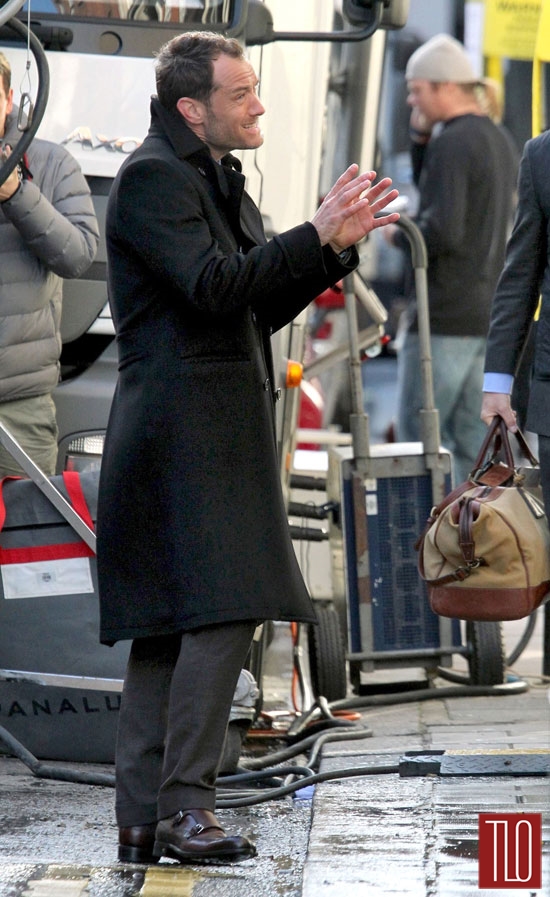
{"x": 466, "y": 177}
{"x": 441, "y": 59}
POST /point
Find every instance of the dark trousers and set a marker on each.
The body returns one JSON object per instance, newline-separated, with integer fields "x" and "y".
{"x": 544, "y": 458}
{"x": 176, "y": 701}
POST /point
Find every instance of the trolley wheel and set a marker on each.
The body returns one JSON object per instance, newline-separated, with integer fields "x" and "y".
{"x": 327, "y": 656}
{"x": 486, "y": 658}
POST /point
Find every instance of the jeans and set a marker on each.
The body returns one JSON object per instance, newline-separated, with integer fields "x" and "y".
{"x": 457, "y": 367}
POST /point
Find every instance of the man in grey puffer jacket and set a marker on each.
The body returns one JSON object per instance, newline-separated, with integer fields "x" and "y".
{"x": 48, "y": 231}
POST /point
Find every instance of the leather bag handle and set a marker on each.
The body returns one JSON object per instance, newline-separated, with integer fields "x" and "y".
{"x": 497, "y": 438}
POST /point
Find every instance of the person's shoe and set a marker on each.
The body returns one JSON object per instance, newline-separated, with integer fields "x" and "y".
{"x": 195, "y": 836}
{"x": 135, "y": 844}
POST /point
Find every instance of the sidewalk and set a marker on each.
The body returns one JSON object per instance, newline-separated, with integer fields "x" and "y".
{"x": 374, "y": 835}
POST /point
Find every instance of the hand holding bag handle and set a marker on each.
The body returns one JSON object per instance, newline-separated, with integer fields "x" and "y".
{"x": 487, "y": 470}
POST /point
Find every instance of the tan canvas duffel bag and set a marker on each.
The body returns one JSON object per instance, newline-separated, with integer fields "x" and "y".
{"x": 485, "y": 551}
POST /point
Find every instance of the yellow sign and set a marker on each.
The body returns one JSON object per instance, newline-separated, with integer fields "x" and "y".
{"x": 542, "y": 56}
{"x": 511, "y": 28}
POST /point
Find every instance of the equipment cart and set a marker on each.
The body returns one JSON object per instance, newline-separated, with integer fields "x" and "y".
{"x": 382, "y": 496}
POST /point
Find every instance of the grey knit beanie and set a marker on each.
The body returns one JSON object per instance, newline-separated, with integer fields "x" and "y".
{"x": 442, "y": 58}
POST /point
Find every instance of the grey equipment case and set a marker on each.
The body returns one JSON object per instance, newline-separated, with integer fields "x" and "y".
{"x": 59, "y": 687}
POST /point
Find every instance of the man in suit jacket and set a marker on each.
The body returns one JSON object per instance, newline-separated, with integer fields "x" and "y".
{"x": 524, "y": 281}
{"x": 193, "y": 539}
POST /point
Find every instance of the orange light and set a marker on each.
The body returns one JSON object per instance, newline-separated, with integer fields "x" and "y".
{"x": 294, "y": 372}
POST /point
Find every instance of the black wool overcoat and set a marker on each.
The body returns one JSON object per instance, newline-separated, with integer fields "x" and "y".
{"x": 192, "y": 527}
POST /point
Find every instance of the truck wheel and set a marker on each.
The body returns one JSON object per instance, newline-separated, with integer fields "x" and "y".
{"x": 327, "y": 657}
{"x": 486, "y": 658}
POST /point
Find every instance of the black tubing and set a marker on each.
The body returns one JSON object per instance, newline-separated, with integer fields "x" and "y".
{"x": 64, "y": 774}
{"x": 24, "y": 141}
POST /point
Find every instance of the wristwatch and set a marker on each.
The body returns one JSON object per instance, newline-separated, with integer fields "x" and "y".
{"x": 345, "y": 256}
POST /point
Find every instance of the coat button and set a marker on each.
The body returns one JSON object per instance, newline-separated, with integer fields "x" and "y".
{"x": 266, "y": 384}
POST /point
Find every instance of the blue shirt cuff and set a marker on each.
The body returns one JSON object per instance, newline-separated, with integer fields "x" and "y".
{"x": 498, "y": 383}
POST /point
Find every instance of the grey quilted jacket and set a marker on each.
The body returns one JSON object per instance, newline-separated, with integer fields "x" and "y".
{"x": 48, "y": 231}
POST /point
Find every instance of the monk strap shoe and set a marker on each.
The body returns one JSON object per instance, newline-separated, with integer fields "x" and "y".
{"x": 195, "y": 836}
{"x": 135, "y": 844}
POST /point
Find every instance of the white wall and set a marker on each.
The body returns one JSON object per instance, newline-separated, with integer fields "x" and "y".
{"x": 283, "y": 175}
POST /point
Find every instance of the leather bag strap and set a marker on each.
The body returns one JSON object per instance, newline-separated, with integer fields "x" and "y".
{"x": 497, "y": 443}
{"x": 465, "y": 513}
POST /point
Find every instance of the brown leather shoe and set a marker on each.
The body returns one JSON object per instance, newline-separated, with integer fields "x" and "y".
{"x": 135, "y": 844}
{"x": 195, "y": 836}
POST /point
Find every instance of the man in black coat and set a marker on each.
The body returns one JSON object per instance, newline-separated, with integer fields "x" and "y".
{"x": 193, "y": 540}
{"x": 524, "y": 282}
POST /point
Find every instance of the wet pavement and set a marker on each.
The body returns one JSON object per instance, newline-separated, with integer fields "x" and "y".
{"x": 369, "y": 833}
{"x": 368, "y": 830}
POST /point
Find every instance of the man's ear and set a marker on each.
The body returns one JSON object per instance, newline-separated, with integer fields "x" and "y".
{"x": 191, "y": 110}
{"x": 9, "y": 105}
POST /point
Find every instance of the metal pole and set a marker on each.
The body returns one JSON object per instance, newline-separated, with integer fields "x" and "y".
{"x": 359, "y": 421}
{"x": 41, "y": 480}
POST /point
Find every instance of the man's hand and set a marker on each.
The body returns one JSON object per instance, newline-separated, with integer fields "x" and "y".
{"x": 10, "y": 185}
{"x": 420, "y": 127}
{"x": 498, "y": 403}
{"x": 347, "y": 213}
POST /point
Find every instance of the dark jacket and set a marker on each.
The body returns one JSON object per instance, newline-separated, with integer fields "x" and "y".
{"x": 48, "y": 231}
{"x": 525, "y": 278}
{"x": 192, "y": 527}
{"x": 466, "y": 186}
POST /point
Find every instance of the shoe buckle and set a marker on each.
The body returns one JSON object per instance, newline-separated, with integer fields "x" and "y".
{"x": 196, "y": 830}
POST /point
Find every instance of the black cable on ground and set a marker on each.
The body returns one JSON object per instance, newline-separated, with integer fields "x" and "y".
{"x": 273, "y": 794}
{"x": 43, "y": 771}
{"x": 300, "y": 747}
{"x": 425, "y": 694}
{"x": 65, "y": 774}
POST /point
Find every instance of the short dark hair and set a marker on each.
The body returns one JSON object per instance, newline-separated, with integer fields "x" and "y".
{"x": 184, "y": 66}
{"x": 5, "y": 73}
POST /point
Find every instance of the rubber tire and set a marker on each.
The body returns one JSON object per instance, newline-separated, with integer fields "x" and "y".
{"x": 486, "y": 657}
{"x": 327, "y": 656}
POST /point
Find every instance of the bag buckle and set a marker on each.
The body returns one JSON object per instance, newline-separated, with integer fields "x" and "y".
{"x": 464, "y": 572}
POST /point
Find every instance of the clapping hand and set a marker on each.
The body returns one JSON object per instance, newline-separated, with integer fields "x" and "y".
{"x": 348, "y": 211}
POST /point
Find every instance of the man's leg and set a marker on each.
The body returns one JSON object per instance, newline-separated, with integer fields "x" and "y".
{"x": 33, "y": 424}
{"x": 175, "y": 707}
{"x": 467, "y": 428}
{"x": 544, "y": 458}
{"x": 142, "y": 728}
{"x": 409, "y": 389}
{"x": 202, "y": 689}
